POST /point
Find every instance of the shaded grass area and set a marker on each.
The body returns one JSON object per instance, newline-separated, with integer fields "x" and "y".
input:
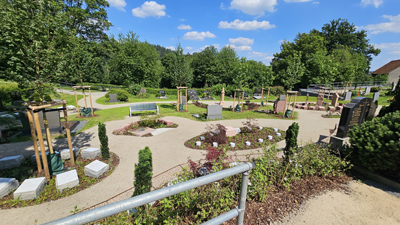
{"x": 152, "y": 98}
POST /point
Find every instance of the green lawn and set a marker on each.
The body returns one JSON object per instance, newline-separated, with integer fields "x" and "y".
{"x": 168, "y": 110}
{"x": 69, "y": 98}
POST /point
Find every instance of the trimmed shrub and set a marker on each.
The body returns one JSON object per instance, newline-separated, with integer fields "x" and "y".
{"x": 375, "y": 89}
{"x": 105, "y": 152}
{"x": 134, "y": 89}
{"x": 291, "y": 140}
{"x": 375, "y": 144}
{"x": 122, "y": 95}
{"x": 276, "y": 90}
{"x": 143, "y": 172}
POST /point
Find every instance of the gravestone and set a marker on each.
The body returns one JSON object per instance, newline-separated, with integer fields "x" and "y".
{"x": 393, "y": 86}
{"x": 207, "y": 94}
{"x": 15, "y": 96}
{"x": 376, "y": 96}
{"x": 162, "y": 93}
{"x": 335, "y": 99}
{"x": 7, "y": 185}
{"x": 214, "y": 112}
{"x": 246, "y": 94}
{"x": 372, "y": 110}
{"x": 320, "y": 100}
{"x": 347, "y": 97}
{"x": 279, "y": 106}
{"x": 193, "y": 95}
{"x": 353, "y": 113}
{"x": 282, "y": 97}
{"x": 113, "y": 98}
{"x": 30, "y": 188}
{"x": 367, "y": 90}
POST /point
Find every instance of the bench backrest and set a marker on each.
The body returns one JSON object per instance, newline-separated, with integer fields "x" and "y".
{"x": 144, "y": 106}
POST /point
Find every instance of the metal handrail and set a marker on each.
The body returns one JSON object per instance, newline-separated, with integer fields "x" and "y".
{"x": 121, "y": 206}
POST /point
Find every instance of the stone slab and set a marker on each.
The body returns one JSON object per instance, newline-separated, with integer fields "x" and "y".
{"x": 30, "y": 188}
{"x": 376, "y": 96}
{"x": 279, "y": 106}
{"x": 67, "y": 179}
{"x": 71, "y": 107}
{"x": 311, "y": 108}
{"x": 348, "y": 96}
{"x": 90, "y": 153}
{"x": 160, "y": 131}
{"x": 7, "y": 185}
{"x": 230, "y": 131}
{"x": 140, "y": 132}
{"x": 167, "y": 122}
{"x": 232, "y": 144}
{"x": 270, "y": 137}
{"x": 65, "y": 154}
{"x": 96, "y": 169}
{"x": 337, "y": 143}
{"x": 237, "y": 130}
{"x": 198, "y": 143}
{"x": 248, "y": 143}
{"x": 331, "y": 108}
{"x": 11, "y": 162}
{"x": 321, "y": 108}
{"x": 304, "y": 107}
{"x": 214, "y": 112}
{"x": 215, "y": 144}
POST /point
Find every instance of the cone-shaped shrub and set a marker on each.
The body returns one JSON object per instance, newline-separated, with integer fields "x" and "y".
{"x": 105, "y": 152}
{"x": 143, "y": 172}
{"x": 291, "y": 140}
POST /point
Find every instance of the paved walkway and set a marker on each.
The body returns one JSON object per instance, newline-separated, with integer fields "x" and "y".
{"x": 168, "y": 151}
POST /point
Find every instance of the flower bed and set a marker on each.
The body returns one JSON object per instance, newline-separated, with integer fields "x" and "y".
{"x": 129, "y": 128}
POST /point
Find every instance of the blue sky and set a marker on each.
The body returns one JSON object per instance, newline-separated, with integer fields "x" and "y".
{"x": 254, "y": 28}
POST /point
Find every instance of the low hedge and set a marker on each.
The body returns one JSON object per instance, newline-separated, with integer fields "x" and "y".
{"x": 122, "y": 95}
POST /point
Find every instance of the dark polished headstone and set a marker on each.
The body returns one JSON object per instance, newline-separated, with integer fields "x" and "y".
{"x": 15, "y": 96}
{"x": 257, "y": 91}
{"x": 372, "y": 110}
{"x": 193, "y": 94}
{"x": 161, "y": 92}
{"x": 246, "y": 94}
{"x": 353, "y": 113}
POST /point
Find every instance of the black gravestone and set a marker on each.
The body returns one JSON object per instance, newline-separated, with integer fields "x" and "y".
{"x": 207, "y": 94}
{"x": 257, "y": 91}
{"x": 353, "y": 113}
{"x": 246, "y": 94}
{"x": 193, "y": 94}
{"x": 15, "y": 96}
{"x": 161, "y": 92}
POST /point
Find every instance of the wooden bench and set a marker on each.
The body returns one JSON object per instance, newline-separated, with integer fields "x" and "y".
{"x": 142, "y": 107}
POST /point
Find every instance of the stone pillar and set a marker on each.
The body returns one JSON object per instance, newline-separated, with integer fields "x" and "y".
{"x": 222, "y": 97}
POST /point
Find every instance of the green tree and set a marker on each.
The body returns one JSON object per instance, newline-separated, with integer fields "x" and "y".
{"x": 206, "y": 68}
{"x": 105, "y": 151}
{"x": 228, "y": 61}
{"x": 340, "y": 33}
{"x": 179, "y": 70}
{"x": 321, "y": 69}
{"x": 34, "y": 39}
{"x": 291, "y": 141}
{"x": 88, "y": 18}
{"x": 293, "y": 73}
{"x": 143, "y": 172}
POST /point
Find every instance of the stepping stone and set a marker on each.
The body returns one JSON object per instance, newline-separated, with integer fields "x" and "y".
{"x": 96, "y": 169}
{"x": 67, "y": 180}
{"x": 160, "y": 131}
{"x": 7, "y": 185}
{"x": 33, "y": 157}
{"x": 90, "y": 153}
{"x": 65, "y": 154}
{"x": 30, "y": 188}
{"x": 11, "y": 162}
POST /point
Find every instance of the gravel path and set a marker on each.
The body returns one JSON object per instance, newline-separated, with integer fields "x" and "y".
{"x": 168, "y": 151}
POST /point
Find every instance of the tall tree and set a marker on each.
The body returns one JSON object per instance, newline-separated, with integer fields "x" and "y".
{"x": 181, "y": 73}
{"x": 339, "y": 33}
{"x": 205, "y": 67}
{"x": 293, "y": 73}
{"x": 88, "y": 18}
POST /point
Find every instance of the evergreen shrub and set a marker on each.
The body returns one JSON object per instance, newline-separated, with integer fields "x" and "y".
{"x": 143, "y": 172}
{"x": 105, "y": 152}
{"x": 291, "y": 140}
{"x": 122, "y": 95}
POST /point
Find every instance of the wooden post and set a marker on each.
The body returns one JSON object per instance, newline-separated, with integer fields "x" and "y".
{"x": 295, "y": 97}
{"x": 84, "y": 96}
{"x": 234, "y": 98}
{"x": 262, "y": 95}
{"x": 290, "y": 100}
{"x": 359, "y": 90}
{"x": 284, "y": 109}
{"x": 91, "y": 105}
{"x": 35, "y": 146}
{"x": 266, "y": 103}
{"x": 186, "y": 99}
{"x": 76, "y": 99}
{"x": 68, "y": 134}
{"x": 327, "y": 99}
{"x": 241, "y": 109}
{"x": 48, "y": 136}
{"x": 42, "y": 150}
{"x": 177, "y": 100}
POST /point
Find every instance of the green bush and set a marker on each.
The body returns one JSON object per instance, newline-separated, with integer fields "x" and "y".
{"x": 395, "y": 104}
{"x": 375, "y": 89}
{"x": 122, "y": 95}
{"x": 105, "y": 152}
{"x": 6, "y": 89}
{"x": 276, "y": 90}
{"x": 157, "y": 95}
{"x": 291, "y": 140}
{"x": 143, "y": 172}
{"x": 375, "y": 144}
{"x": 134, "y": 89}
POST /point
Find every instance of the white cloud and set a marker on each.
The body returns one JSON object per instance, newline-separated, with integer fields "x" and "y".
{"x": 215, "y": 46}
{"x": 392, "y": 48}
{"x": 171, "y": 48}
{"x": 241, "y": 41}
{"x": 246, "y": 25}
{"x": 315, "y": 3}
{"x": 376, "y": 3}
{"x": 181, "y": 19}
{"x": 189, "y": 48}
{"x": 196, "y": 36}
{"x": 297, "y": 1}
{"x": 239, "y": 48}
{"x": 184, "y": 27}
{"x": 171, "y": 38}
{"x": 149, "y": 8}
{"x": 119, "y": 4}
{"x": 119, "y": 28}
{"x": 254, "y": 7}
{"x": 222, "y": 6}
{"x": 392, "y": 26}
{"x": 257, "y": 54}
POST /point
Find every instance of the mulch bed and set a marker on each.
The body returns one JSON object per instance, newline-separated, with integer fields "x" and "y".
{"x": 281, "y": 202}
{"x": 240, "y": 140}
{"x": 51, "y": 193}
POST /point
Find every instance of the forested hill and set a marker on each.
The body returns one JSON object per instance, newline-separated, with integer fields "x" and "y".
{"x": 162, "y": 50}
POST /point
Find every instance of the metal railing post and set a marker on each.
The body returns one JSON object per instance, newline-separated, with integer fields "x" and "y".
{"x": 242, "y": 198}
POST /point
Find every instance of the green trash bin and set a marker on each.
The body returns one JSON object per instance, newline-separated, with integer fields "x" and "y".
{"x": 288, "y": 113}
{"x": 56, "y": 166}
{"x": 180, "y": 107}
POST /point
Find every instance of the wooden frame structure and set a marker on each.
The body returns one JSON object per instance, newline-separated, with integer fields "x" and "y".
{"x": 290, "y": 100}
{"x": 179, "y": 96}
{"x": 84, "y": 98}
{"x": 234, "y": 98}
{"x": 34, "y": 122}
{"x": 262, "y": 96}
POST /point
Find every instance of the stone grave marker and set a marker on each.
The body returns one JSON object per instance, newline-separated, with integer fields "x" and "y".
{"x": 376, "y": 96}
{"x": 394, "y": 86}
{"x": 353, "y": 113}
{"x": 320, "y": 100}
{"x": 96, "y": 169}
{"x": 214, "y": 112}
{"x": 113, "y": 98}
{"x": 372, "y": 109}
{"x": 11, "y": 162}
{"x": 335, "y": 99}
{"x": 30, "y": 188}
{"x": 7, "y": 185}
{"x": 246, "y": 94}
{"x": 367, "y": 90}
{"x": 207, "y": 94}
{"x": 282, "y": 97}
{"x": 67, "y": 179}
{"x": 161, "y": 92}
{"x": 15, "y": 96}
{"x": 193, "y": 95}
{"x": 347, "y": 97}
{"x": 279, "y": 106}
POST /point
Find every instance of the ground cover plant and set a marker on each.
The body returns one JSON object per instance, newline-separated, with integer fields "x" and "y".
{"x": 249, "y": 132}
{"x": 50, "y": 193}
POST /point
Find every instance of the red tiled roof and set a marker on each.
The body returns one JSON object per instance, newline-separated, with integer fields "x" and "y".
{"x": 387, "y": 68}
